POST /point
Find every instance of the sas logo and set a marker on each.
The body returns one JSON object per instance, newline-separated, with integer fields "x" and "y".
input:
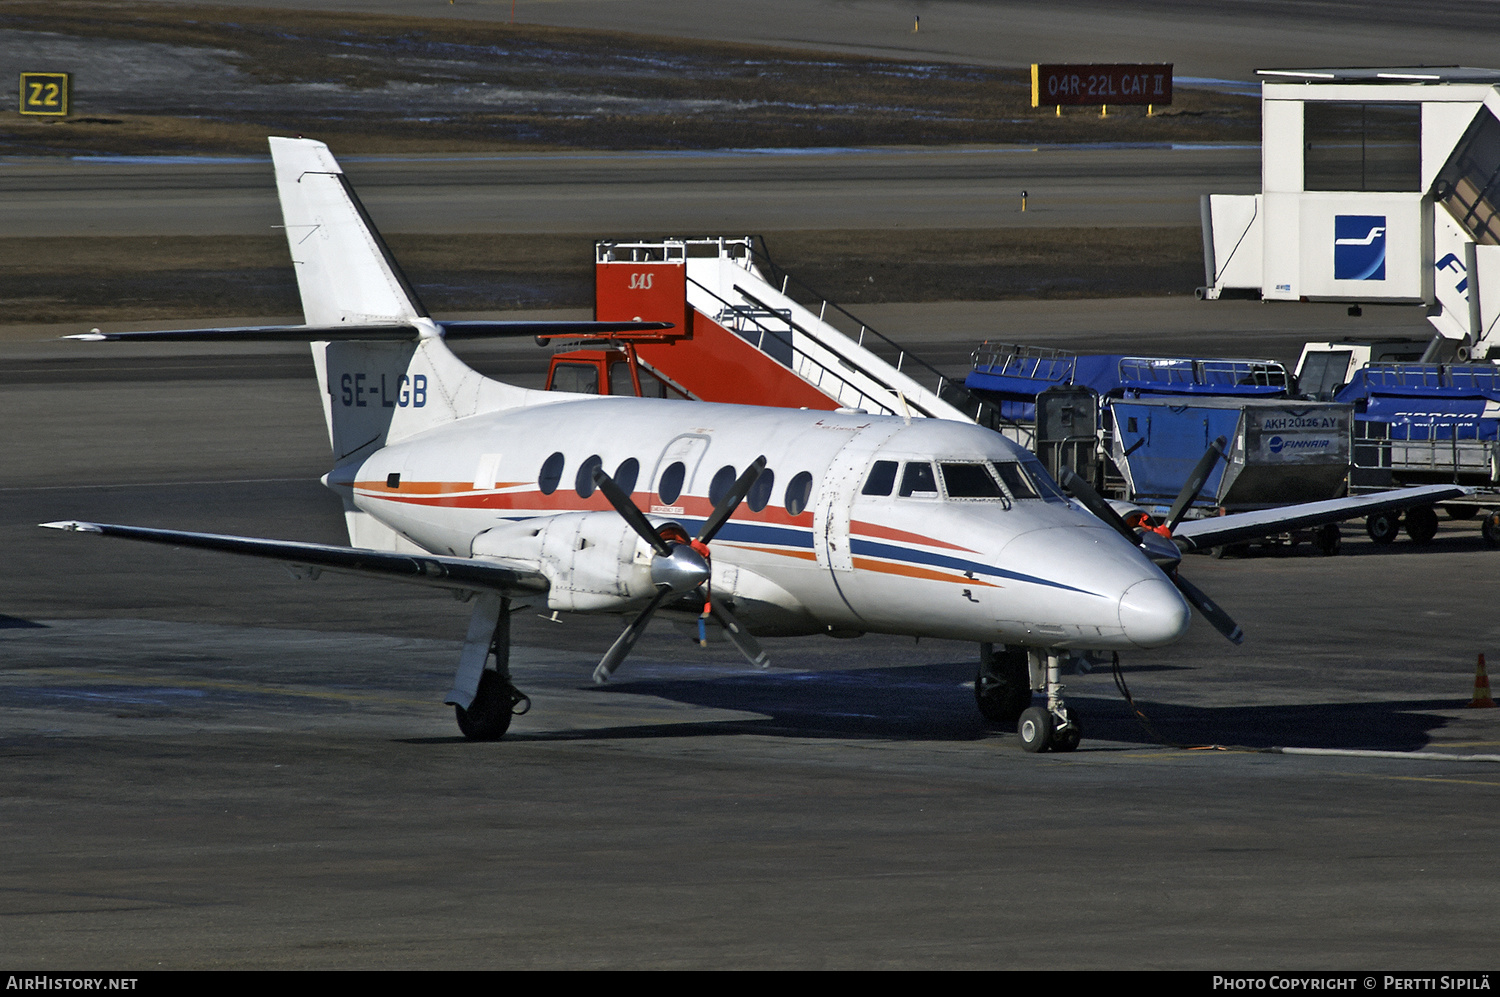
{"x": 641, "y": 281}
{"x": 1359, "y": 247}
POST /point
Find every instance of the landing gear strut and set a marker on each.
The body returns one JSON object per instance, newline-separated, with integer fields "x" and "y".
{"x": 1053, "y": 727}
{"x": 483, "y": 698}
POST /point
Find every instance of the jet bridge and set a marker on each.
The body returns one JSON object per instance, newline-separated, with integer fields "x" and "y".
{"x": 1379, "y": 186}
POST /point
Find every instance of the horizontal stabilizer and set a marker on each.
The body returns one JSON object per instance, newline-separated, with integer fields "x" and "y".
{"x": 310, "y": 334}
{"x": 427, "y": 569}
{"x": 1238, "y": 527}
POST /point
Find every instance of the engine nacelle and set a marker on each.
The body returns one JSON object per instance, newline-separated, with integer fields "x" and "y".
{"x": 592, "y": 560}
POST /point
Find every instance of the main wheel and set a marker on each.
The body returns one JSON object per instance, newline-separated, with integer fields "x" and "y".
{"x": 1490, "y": 529}
{"x": 1421, "y": 523}
{"x": 1035, "y": 729}
{"x": 1328, "y": 538}
{"x": 1002, "y": 685}
{"x": 1461, "y": 511}
{"x": 488, "y": 717}
{"x": 1383, "y": 527}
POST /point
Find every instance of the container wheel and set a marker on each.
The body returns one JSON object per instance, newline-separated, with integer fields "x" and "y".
{"x": 1421, "y": 523}
{"x": 1383, "y": 527}
{"x": 1490, "y": 529}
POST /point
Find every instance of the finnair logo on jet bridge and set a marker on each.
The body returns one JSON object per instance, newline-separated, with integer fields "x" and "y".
{"x": 1359, "y": 247}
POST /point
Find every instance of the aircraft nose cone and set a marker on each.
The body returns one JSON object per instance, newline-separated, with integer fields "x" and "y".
{"x": 1153, "y": 613}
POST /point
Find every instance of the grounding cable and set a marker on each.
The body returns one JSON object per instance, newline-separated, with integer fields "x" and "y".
{"x": 1157, "y": 736}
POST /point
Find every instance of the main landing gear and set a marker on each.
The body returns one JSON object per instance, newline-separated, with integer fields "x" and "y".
{"x": 1003, "y": 688}
{"x": 483, "y": 698}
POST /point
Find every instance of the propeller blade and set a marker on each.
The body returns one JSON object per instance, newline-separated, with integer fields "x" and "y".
{"x": 1210, "y": 609}
{"x": 632, "y": 515}
{"x": 623, "y": 643}
{"x": 731, "y": 500}
{"x": 739, "y": 636}
{"x": 1195, "y": 482}
{"x": 1084, "y": 492}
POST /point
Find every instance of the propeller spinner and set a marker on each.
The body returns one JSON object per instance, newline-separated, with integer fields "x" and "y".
{"x": 680, "y": 566}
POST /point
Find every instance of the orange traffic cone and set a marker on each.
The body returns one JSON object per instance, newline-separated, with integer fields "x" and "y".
{"x": 1481, "y": 686}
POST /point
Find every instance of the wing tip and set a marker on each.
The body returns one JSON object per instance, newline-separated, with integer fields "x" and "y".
{"x": 72, "y": 526}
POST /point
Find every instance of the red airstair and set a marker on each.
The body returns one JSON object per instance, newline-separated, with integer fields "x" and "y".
{"x": 741, "y": 337}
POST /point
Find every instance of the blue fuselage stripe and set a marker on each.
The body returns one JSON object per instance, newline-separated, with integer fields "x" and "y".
{"x": 894, "y": 553}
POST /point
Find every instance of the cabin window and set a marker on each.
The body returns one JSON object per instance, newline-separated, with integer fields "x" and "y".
{"x": 760, "y": 492}
{"x": 798, "y": 492}
{"x": 619, "y": 379}
{"x": 918, "y": 481}
{"x": 582, "y": 378}
{"x": 969, "y": 481}
{"x": 670, "y": 486}
{"x": 1362, "y": 146}
{"x": 882, "y": 478}
{"x": 1324, "y": 372}
{"x": 626, "y": 473}
{"x": 583, "y": 482}
{"x": 723, "y": 480}
{"x": 551, "y": 475}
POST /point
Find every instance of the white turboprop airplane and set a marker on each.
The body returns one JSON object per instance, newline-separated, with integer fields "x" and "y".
{"x": 755, "y": 520}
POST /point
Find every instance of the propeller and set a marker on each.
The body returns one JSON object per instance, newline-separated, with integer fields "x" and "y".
{"x": 1157, "y": 542}
{"x": 1194, "y": 484}
{"x": 680, "y": 566}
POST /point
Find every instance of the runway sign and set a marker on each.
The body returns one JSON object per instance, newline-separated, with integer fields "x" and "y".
{"x": 1101, "y": 84}
{"x": 45, "y": 93}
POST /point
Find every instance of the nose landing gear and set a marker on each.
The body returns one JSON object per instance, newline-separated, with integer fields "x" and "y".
{"x": 1003, "y": 688}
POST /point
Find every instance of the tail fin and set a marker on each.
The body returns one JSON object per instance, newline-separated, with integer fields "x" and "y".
{"x": 345, "y": 271}
{"x": 375, "y": 391}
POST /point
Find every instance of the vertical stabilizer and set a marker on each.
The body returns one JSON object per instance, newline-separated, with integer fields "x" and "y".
{"x": 375, "y": 391}
{"x": 345, "y": 272}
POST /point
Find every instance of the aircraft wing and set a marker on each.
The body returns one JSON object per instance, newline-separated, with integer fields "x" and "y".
{"x": 1197, "y": 534}
{"x": 426, "y": 569}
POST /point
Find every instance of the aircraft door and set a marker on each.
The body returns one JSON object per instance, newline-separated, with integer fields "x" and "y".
{"x": 675, "y": 472}
{"x": 836, "y": 495}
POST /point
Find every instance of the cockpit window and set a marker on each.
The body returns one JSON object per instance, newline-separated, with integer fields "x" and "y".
{"x": 918, "y": 480}
{"x": 1043, "y": 481}
{"x": 1027, "y": 480}
{"x": 882, "y": 478}
{"x": 969, "y": 481}
{"x": 1017, "y": 481}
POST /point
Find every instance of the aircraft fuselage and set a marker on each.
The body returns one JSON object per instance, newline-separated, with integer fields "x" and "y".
{"x": 862, "y": 523}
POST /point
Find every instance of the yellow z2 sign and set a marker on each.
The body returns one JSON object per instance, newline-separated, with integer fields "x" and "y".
{"x": 45, "y": 93}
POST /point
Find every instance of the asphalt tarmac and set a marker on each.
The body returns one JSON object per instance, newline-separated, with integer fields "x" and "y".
{"x": 209, "y": 764}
